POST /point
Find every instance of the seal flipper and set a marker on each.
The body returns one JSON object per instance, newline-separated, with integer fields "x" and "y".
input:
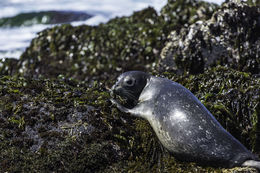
{"x": 252, "y": 164}
{"x": 136, "y": 111}
{"x": 120, "y": 107}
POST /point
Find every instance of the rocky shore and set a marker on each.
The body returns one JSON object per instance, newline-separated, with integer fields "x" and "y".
{"x": 44, "y": 17}
{"x": 55, "y": 113}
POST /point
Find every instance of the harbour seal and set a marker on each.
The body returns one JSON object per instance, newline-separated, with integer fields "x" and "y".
{"x": 181, "y": 122}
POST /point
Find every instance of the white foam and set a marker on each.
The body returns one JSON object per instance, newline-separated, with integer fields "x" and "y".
{"x": 12, "y": 53}
{"x": 92, "y": 21}
{"x": 219, "y": 2}
{"x": 13, "y": 41}
{"x": 15, "y": 38}
{"x": 114, "y": 7}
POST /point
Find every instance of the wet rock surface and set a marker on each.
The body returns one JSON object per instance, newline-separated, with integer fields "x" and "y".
{"x": 55, "y": 113}
{"x": 55, "y": 125}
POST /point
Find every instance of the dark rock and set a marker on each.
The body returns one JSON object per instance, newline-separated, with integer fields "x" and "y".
{"x": 230, "y": 38}
{"x": 9, "y": 66}
{"x": 178, "y": 13}
{"x": 253, "y": 2}
{"x": 56, "y": 125}
{"x": 44, "y": 17}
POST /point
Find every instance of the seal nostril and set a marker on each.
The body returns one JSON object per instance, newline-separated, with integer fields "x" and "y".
{"x": 111, "y": 92}
{"x": 114, "y": 90}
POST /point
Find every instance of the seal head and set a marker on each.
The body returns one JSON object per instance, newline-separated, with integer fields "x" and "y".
{"x": 129, "y": 86}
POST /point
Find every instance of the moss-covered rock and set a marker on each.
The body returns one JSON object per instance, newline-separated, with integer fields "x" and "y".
{"x": 78, "y": 52}
{"x": 253, "y": 2}
{"x": 122, "y": 44}
{"x": 179, "y": 13}
{"x": 55, "y": 125}
{"x": 64, "y": 125}
{"x": 44, "y": 17}
{"x": 9, "y": 66}
{"x": 231, "y": 38}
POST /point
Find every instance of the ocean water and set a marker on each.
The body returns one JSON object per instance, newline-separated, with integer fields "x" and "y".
{"x": 13, "y": 41}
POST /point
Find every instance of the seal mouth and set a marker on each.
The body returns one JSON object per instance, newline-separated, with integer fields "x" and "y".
{"x": 122, "y": 96}
{"x": 115, "y": 95}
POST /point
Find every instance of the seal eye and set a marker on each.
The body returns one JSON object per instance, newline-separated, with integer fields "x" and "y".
{"x": 129, "y": 82}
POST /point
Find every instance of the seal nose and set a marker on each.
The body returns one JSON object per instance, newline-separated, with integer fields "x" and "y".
{"x": 114, "y": 89}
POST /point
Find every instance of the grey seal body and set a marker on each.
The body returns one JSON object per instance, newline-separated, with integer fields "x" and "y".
{"x": 181, "y": 122}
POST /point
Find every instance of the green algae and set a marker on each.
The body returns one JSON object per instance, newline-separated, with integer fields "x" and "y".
{"x": 64, "y": 125}
{"x": 43, "y": 129}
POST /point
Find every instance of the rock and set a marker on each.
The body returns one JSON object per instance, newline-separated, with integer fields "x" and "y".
{"x": 56, "y": 125}
{"x": 9, "y": 66}
{"x": 44, "y": 17}
{"x": 94, "y": 51}
{"x": 179, "y": 13}
{"x": 230, "y": 38}
{"x": 68, "y": 125}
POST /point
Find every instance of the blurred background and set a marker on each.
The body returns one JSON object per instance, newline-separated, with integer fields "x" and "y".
{"x": 20, "y": 20}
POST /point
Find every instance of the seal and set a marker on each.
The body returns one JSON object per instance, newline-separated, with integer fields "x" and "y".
{"x": 182, "y": 123}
